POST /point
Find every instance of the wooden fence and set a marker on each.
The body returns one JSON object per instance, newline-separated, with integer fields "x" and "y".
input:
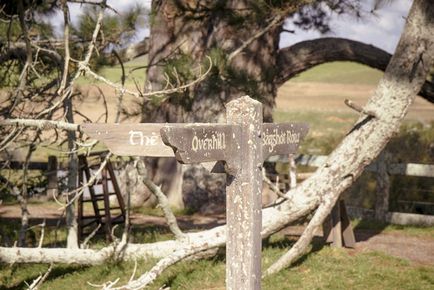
{"x": 384, "y": 169}
{"x": 381, "y": 166}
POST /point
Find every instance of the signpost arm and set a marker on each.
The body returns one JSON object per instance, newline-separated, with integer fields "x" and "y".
{"x": 243, "y": 205}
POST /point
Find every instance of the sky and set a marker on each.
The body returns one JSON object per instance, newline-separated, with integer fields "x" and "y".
{"x": 381, "y": 29}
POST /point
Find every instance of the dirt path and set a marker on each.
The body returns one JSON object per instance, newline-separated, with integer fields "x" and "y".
{"x": 414, "y": 248}
{"x": 417, "y": 249}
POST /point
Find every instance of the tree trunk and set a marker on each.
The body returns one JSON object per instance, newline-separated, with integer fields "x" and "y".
{"x": 71, "y": 220}
{"x": 183, "y": 33}
{"x": 305, "y": 55}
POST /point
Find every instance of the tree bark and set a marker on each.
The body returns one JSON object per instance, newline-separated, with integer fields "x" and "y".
{"x": 182, "y": 34}
{"x": 71, "y": 219}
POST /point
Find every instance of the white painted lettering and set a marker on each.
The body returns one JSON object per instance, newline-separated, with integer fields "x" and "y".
{"x": 217, "y": 141}
{"x": 136, "y": 135}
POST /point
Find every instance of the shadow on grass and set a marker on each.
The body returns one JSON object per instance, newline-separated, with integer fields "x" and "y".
{"x": 56, "y": 272}
{"x": 289, "y": 240}
{"x": 368, "y": 228}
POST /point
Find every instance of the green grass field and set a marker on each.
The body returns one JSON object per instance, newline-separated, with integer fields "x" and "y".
{"x": 341, "y": 73}
{"x": 322, "y": 268}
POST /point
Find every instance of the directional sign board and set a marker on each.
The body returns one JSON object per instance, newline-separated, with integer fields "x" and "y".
{"x": 195, "y": 141}
{"x": 130, "y": 139}
{"x": 244, "y": 142}
{"x": 201, "y": 143}
{"x": 282, "y": 138}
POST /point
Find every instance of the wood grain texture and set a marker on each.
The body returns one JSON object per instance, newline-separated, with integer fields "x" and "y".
{"x": 201, "y": 143}
{"x": 130, "y": 139}
{"x": 243, "y": 202}
{"x": 282, "y": 138}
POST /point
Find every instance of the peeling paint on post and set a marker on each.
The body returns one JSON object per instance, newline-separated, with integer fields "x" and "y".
{"x": 243, "y": 199}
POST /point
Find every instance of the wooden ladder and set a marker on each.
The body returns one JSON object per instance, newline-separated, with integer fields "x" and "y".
{"x": 102, "y": 216}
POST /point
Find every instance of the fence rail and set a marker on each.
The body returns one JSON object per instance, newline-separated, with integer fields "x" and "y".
{"x": 383, "y": 169}
{"x": 408, "y": 169}
{"x": 380, "y": 166}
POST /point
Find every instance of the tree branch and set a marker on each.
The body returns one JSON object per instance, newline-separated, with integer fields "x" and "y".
{"x": 307, "y": 54}
{"x": 84, "y": 63}
{"x": 300, "y": 247}
{"x": 138, "y": 94}
{"x": 41, "y": 124}
{"x": 276, "y": 21}
{"x": 163, "y": 202}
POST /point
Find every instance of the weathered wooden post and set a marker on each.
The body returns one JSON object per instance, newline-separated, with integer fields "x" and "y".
{"x": 383, "y": 187}
{"x": 243, "y": 197}
{"x": 52, "y": 182}
{"x": 337, "y": 227}
{"x": 242, "y": 144}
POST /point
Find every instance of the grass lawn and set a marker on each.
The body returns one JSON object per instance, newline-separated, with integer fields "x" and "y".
{"x": 342, "y": 73}
{"x": 323, "y": 268}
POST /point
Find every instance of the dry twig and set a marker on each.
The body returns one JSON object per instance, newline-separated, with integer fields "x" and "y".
{"x": 162, "y": 202}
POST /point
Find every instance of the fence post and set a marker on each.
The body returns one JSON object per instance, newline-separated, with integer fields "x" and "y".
{"x": 292, "y": 171}
{"x": 52, "y": 185}
{"x": 383, "y": 186}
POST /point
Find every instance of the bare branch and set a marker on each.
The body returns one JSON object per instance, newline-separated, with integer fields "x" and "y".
{"x": 151, "y": 93}
{"x": 162, "y": 201}
{"x": 29, "y": 58}
{"x": 41, "y": 239}
{"x": 89, "y": 237}
{"x": 122, "y": 91}
{"x": 273, "y": 187}
{"x": 301, "y": 246}
{"x": 67, "y": 57}
{"x": 96, "y": 76}
{"x": 41, "y": 278}
{"x": 162, "y": 265}
{"x": 276, "y": 21}
{"x": 359, "y": 109}
{"x": 68, "y": 91}
{"x": 41, "y": 124}
{"x": 80, "y": 190}
{"x": 94, "y": 2}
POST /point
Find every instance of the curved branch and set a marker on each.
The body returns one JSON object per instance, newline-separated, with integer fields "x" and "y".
{"x": 307, "y": 54}
{"x": 18, "y": 51}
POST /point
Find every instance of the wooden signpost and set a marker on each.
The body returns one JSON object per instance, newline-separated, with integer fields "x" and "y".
{"x": 242, "y": 144}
